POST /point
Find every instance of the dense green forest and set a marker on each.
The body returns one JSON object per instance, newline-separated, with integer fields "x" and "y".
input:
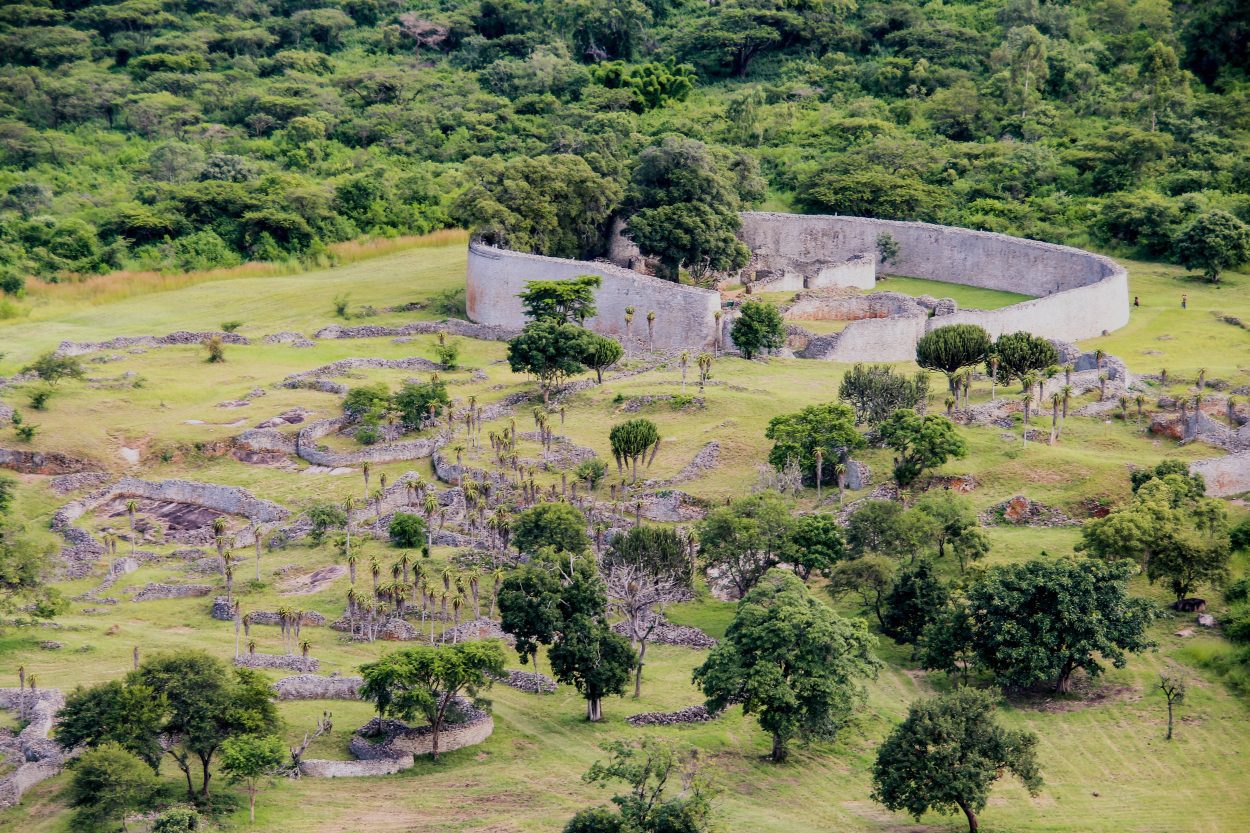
{"x": 184, "y": 134}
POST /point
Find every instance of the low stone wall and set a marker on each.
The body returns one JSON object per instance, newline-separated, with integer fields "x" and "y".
{"x": 306, "y": 447}
{"x": 286, "y": 662}
{"x": 43, "y": 462}
{"x": 1225, "y": 475}
{"x": 40, "y": 757}
{"x": 78, "y": 348}
{"x": 317, "y": 687}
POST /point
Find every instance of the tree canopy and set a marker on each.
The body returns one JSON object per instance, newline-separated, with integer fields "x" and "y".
{"x": 791, "y": 661}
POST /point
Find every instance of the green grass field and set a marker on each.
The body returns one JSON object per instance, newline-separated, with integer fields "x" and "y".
{"x": 1106, "y": 766}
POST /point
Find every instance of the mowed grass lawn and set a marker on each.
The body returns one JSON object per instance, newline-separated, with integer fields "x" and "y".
{"x": 1106, "y": 765}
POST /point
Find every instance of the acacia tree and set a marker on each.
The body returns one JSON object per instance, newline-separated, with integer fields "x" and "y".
{"x": 634, "y": 440}
{"x": 561, "y": 302}
{"x": 549, "y": 352}
{"x": 426, "y": 680}
{"x": 791, "y": 661}
{"x": 947, "y": 754}
{"x": 952, "y": 348}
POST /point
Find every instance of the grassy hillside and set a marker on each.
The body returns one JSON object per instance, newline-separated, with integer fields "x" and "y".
{"x": 1101, "y": 752}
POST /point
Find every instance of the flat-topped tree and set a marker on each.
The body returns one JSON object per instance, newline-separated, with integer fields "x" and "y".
{"x": 563, "y": 302}
{"x": 952, "y": 348}
{"x": 426, "y": 680}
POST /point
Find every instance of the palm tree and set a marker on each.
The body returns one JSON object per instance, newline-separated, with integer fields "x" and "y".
{"x": 132, "y": 506}
{"x": 256, "y": 543}
{"x": 819, "y": 454}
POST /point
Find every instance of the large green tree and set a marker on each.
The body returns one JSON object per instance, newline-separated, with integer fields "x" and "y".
{"x": 791, "y": 661}
{"x": 425, "y": 681}
{"x": 1043, "y": 620}
{"x": 947, "y": 753}
{"x": 829, "y": 429}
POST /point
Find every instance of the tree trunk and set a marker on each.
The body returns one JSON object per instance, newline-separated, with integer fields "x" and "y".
{"x": 972, "y": 817}
{"x": 779, "y": 752}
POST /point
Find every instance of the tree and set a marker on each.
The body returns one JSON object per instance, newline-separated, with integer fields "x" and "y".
{"x": 561, "y": 302}
{"x": 549, "y": 352}
{"x": 1172, "y": 685}
{"x": 743, "y": 541}
{"x": 947, "y": 754}
{"x": 829, "y": 428}
{"x": 791, "y": 661}
{"x": 915, "y": 600}
{"x": 108, "y": 783}
{"x": 600, "y": 353}
{"x": 658, "y": 550}
{"x": 127, "y": 714}
{"x": 758, "y": 327}
{"x": 1020, "y": 354}
{"x": 639, "y": 596}
{"x": 205, "y": 705}
{"x": 1040, "y": 621}
{"x": 817, "y": 544}
{"x": 870, "y": 577}
{"x": 1213, "y": 242}
{"x": 634, "y": 440}
{"x": 249, "y": 759}
{"x": 593, "y": 658}
{"x": 952, "y": 348}
{"x": 52, "y": 367}
{"x": 426, "y": 680}
{"x": 668, "y": 792}
{"x": 921, "y": 443}
{"x": 529, "y": 609}
{"x": 417, "y": 402}
{"x": 557, "y": 525}
{"x": 407, "y": 530}
{"x": 876, "y": 391}
{"x": 695, "y": 236}
{"x": 1170, "y": 529}
{"x": 554, "y": 205}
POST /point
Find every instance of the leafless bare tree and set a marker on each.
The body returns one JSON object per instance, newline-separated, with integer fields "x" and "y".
{"x": 640, "y": 596}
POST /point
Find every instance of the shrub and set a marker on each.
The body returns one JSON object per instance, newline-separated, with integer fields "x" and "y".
{"x": 39, "y": 398}
{"x": 216, "y": 349}
{"x": 592, "y": 471}
{"x": 407, "y": 531}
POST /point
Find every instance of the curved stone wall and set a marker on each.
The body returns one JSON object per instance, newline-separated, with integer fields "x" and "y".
{"x": 1076, "y": 294}
{"x": 685, "y": 316}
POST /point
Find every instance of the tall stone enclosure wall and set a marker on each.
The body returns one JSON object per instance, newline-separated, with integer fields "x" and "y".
{"x": 1076, "y": 294}
{"x": 684, "y": 315}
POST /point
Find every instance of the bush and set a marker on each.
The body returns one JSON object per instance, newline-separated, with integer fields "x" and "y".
{"x": 407, "y": 531}
{"x": 176, "y": 820}
{"x": 216, "y": 349}
{"x": 592, "y": 471}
